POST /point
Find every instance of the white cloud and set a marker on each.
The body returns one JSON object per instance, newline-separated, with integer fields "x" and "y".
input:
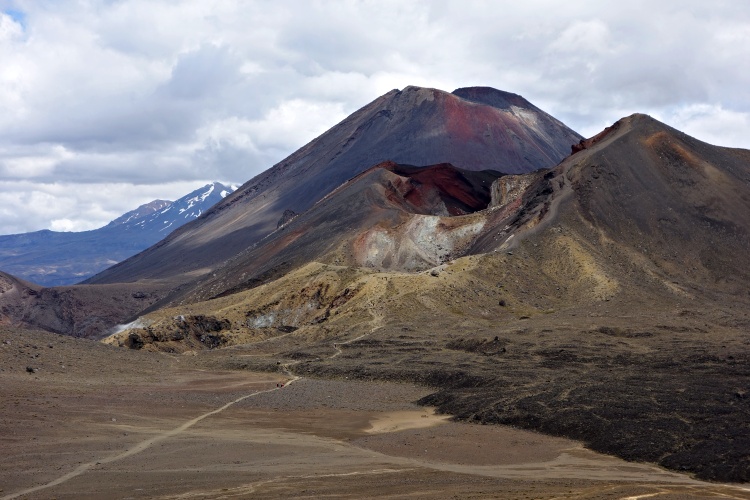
{"x": 712, "y": 123}
{"x": 136, "y": 95}
{"x": 10, "y": 30}
{"x": 30, "y": 163}
{"x": 584, "y": 38}
{"x": 63, "y": 225}
{"x": 293, "y": 121}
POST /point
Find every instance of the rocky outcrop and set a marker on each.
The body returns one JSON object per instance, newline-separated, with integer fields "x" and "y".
{"x": 197, "y": 331}
{"x": 287, "y": 216}
{"x": 509, "y": 189}
{"x": 587, "y": 143}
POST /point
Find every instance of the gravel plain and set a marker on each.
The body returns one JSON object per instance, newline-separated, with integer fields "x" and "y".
{"x": 87, "y": 420}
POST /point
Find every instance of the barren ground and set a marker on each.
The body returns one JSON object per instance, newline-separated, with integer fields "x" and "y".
{"x": 95, "y": 421}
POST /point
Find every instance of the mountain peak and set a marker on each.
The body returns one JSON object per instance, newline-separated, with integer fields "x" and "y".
{"x": 639, "y": 123}
{"x": 493, "y": 97}
{"x": 187, "y": 208}
{"x": 140, "y": 212}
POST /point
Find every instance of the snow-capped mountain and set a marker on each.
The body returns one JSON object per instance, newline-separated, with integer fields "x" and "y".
{"x": 163, "y": 217}
{"x": 52, "y": 258}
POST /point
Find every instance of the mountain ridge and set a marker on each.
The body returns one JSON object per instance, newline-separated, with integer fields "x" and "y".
{"x": 141, "y": 211}
{"x": 53, "y": 258}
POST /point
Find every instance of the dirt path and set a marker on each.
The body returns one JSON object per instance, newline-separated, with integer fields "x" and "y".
{"x": 248, "y": 489}
{"x": 140, "y": 447}
{"x": 271, "y": 450}
{"x": 376, "y": 324}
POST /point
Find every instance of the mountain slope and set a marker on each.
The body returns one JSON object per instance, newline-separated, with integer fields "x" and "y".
{"x": 52, "y": 258}
{"x": 679, "y": 207}
{"x": 604, "y": 300}
{"x": 390, "y": 216}
{"x": 674, "y": 205}
{"x": 79, "y": 311}
{"x": 416, "y": 126}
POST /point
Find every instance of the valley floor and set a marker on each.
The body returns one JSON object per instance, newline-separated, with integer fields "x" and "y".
{"x": 79, "y": 419}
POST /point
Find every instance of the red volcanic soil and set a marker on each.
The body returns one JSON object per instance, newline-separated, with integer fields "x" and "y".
{"x": 460, "y": 191}
{"x": 587, "y": 143}
{"x": 463, "y": 121}
{"x": 384, "y": 196}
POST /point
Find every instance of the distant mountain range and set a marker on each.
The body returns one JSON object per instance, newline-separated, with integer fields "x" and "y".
{"x": 53, "y": 258}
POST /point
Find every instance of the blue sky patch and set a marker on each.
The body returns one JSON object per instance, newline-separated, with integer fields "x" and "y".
{"x": 17, "y": 15}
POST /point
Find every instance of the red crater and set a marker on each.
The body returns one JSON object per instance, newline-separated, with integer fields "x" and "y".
{"x": 443, "y": 187}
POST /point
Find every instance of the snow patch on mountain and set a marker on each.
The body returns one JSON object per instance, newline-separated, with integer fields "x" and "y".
{"x": 141, "y": 212}
{"x": 168, "y": 217}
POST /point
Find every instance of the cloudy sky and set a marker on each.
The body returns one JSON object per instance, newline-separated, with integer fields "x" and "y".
{"x": 107, "y": 104}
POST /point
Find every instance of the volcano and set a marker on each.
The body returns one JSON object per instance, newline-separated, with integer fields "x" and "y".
{"x": 393, "y": 216}
{"x": 473, "y": 129}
